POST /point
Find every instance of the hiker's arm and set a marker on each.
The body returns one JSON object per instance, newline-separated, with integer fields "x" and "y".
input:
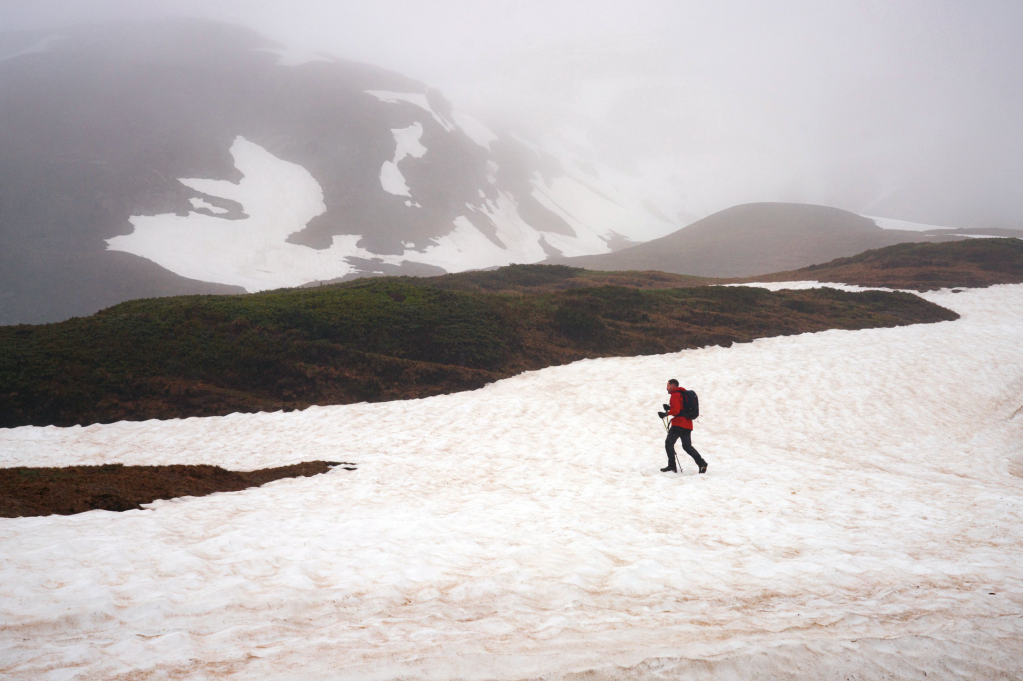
{"x": 676, "y": 405}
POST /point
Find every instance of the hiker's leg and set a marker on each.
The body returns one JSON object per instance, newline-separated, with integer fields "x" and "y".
{"x": 687, "y": 444}
{"x": 669, "y": 445}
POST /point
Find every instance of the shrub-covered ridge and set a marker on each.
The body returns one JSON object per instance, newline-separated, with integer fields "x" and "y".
{"x": 379, "y": 339}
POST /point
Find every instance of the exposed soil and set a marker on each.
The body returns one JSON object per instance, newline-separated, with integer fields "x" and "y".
{"x": 114, "y": 487}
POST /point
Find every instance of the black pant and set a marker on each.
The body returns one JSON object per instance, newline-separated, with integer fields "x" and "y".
{"x": 686, "y": 435}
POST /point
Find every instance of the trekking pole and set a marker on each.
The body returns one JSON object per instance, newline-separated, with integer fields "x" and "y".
{"x": 666, "y": 421}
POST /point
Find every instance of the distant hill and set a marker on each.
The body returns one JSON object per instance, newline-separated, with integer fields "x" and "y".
{"x": 755, "y": 238}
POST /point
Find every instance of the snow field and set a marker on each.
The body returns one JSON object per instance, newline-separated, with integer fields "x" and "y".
{"x": 859, "y": 516}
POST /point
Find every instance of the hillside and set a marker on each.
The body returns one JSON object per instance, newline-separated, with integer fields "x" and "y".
{"x": 752, "y": 239}
{"x": 186, "y": 156}
{"x": 380, "y": 339}
{"x": 922, "y": 266}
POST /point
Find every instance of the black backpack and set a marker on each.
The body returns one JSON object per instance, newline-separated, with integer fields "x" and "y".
{"x": 690, "y": 405}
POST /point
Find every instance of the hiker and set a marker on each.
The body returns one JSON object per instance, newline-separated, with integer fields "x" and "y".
{"x": 681, "y": 428}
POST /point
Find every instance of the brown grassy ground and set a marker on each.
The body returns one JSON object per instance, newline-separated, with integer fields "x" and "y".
{"x": 113, "y": 487}
{"x": 921, "y": 266}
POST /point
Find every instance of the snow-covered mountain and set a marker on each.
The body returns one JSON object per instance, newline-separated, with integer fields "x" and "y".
{"x": 189, "y": 157}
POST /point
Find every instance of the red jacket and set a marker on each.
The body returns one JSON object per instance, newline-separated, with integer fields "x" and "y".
{"x": 675, "y": 408}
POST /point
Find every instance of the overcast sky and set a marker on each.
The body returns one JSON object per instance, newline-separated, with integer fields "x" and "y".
{"x": 724, "y": 102}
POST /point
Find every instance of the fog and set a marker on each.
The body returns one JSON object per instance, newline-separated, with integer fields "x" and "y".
{"x": 908, "y": 109}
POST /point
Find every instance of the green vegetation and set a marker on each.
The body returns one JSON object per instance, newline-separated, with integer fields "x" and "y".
{"x": 380, "y": 339}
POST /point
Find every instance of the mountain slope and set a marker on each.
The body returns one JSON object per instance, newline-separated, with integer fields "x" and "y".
{"x": 155, "y": 157}
{"x": 754, "y": 238}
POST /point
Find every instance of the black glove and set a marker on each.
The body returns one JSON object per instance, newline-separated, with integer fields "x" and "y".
{"x": 666, "y": 408}
{"x": 661, "y": 414}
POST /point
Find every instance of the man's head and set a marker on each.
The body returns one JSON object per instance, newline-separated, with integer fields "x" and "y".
{"x": 672, "y": 385}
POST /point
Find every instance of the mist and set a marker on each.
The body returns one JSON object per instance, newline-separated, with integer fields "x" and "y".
{"x": 906, "y": 109}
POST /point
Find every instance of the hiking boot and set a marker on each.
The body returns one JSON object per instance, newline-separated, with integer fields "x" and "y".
{"x": 667, "y": 469}
{"x": 703, "y": 467}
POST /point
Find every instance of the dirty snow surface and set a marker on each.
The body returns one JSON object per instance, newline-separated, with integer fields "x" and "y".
{"x": 861, "y": 518}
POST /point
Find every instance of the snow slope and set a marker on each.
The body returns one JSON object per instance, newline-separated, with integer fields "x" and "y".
{"x": 856, "y": 522}
{"x": 280, "y": 198}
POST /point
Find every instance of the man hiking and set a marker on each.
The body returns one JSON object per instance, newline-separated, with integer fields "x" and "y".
{"x": 681, "y": 428}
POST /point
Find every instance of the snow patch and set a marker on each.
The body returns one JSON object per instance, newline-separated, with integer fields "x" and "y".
{"x": 466, "y": 247}
{"x": 417, "y": 98}
{"x": 406, "y": 143}
{"x": 476, "y": 131}
{"x": 806, "y": 285}
{"x": 986, "y": 236}
{"x": 892, "y": 223}
{"x": 279, "y": 197}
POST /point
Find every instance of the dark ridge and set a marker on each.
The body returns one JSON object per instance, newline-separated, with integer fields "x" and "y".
{"x": 548, "y": 278}
{"x": 972, "y": 263}
{"x": 383, "y": 339}
{"x": 114, "y": 487}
